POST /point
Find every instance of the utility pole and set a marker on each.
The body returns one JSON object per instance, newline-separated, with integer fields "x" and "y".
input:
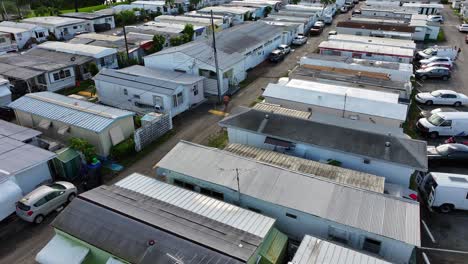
{"x": 218, "y": 81}
{"x": 238, "y": 186}
{"x": 76, "y": 6}
{"x": 126, "y": 44}
{"x": 4, "y": 13}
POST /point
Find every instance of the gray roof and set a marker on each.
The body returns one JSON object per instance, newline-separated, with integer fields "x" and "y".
{"x": 267, "y": 107}
{"x": 16, "y": 132}
{"x": 365, "y": 210}
{"x": 329, "y": 172}
{"x": 12, "y": 24}
{"x": 231, "y": 43}
{"x": 84, "y": 15}
{"x": 70, "y": 111}
{"x": 211, "y": 224}
{"x": 317, "y": 251}
{"x": 16, "y": 156}
{"x": 128, "y": 238}
{"x": 139, "y": 77}
{"x": 403, "y": 151}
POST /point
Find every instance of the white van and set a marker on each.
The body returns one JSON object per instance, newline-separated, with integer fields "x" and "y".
{"x": 445, "y": 191}
{"x": 463, "y": 28}
{"x": 444, "y": 124}
{"x": 439, "y": 51}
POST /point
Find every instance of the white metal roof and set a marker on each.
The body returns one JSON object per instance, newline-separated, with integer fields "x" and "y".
{"x": 450, "y": 179}
{"x": 12, "y": 30}
{"x": 62, "y": 250}
{"x": 211, "y": 208}
{"x": 102, "y": 37}
{"x": 317, "y": 251}
{"x": 78, "y": 49}
{"x": 370, "y": 211}
{"x": 339, "y": 97}
{"x": 368, "y": 48}
{"x": 198, "y": 20}
{"x": 149, "y": 3}
{"x": 53, "y": 21}
{"x": 402, "y": 43}
{"x": 438, "y": 6}
{"x": 227, "y": 9}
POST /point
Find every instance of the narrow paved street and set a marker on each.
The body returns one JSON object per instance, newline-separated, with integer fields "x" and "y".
{"x": 21, "y": 241}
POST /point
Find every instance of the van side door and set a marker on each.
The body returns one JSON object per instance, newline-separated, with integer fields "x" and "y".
{"x": 445, "y": 129}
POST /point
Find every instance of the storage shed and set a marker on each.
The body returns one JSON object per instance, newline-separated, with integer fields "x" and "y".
{"x": 143, "y": 90}
{"x": 302, "y": 205}
{"x": 394, "y": 156}
{"x": 313, "y": 250}
{"x": 167, "y": 224}
{"x": 62, "y": 118}
{"x": 357, "y": 104}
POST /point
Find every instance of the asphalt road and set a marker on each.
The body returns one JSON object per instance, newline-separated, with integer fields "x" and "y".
{"x": 21, "y": 241}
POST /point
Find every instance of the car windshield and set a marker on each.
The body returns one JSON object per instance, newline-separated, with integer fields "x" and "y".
{"x": 445, "y": 149}
{"x": 435, "y": 120}
{"x": 316, "y": 27}
{"x": 436, "y": 93}
{"x": 428, "y": 51}
{"x": 56, "y": 186}
{"x": 23, "y": 207}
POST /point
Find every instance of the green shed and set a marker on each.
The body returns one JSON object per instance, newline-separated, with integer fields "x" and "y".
{"x": 273, "y": 249}
{"x": 67, "y": 163}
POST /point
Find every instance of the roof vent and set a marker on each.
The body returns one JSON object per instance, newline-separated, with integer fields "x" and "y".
{"x": 387, "y": 144}
{"x": 267, "y": 116}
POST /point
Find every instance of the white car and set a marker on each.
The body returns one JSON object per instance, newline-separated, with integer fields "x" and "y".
{"x": 435, "y": 18}
{"x": 319, "y": 24}
{"x": 299, "y": 40}
{"x": 436, "y": 59}
{"x": 332, "y": 33}
{"x": 284, "y": 48}
{"x": 463, "y": 28}
{"x": 447, "y": 65}
{"x": 442, "y": 97}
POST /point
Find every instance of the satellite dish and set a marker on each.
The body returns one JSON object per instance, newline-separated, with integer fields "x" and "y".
{"x": 73, "y": 58}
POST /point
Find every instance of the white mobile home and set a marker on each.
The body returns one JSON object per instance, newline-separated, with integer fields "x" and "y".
{"x": 143, "y": 90}
{"x": 155, "y": 6}
{"x": 394, "y": 71}
{"x": 340, "y": 211}
{"x": 385, "y": 11}
{"x": 361, "y": 105}
{"x": 200, "y": 21}
{"x": 239, "y": 48}
{"x": 24, "y": 34}
{"x": 366, "y": 51}
{"x": 5, "y": 93}
{"x": 100, "y": 21}
{"x": 102, "y": 56}
{"x": 425, "y": 9}
{"x": 63, "y": 28}
{"x": 62, "y": 118}
{"x": 313, "y": 250}
{"x": 7, "y": 43}
{"x": 375, "y": 29}
{"x": 237, "y": 14}
{"x": 383, "y": 3}
{"x": 388, "y": 42}
{"x": 396, "y": 157}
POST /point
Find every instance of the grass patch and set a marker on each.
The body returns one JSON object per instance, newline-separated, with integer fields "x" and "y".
{"x": 85, "y": 9}
{"x": 409, "y": 127}
{"x": 258, "y": 100}
{"x": 441, "y": 36}
{"x": 87, "y": 85}
{"x": 218, "y": 140}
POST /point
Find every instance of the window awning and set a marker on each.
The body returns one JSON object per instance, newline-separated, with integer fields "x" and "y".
{"x": 61, "y": 250}
{"x": 278, "y": 142}
{"x": 63, "y": 130}
{"x": 44, "y": 124}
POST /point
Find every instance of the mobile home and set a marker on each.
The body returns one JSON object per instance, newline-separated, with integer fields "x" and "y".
{"x": 62, "y": 28}
{"x": 388, "y": 42}
{"x": 24, "y": 34}
{"x": 360, "y": 28}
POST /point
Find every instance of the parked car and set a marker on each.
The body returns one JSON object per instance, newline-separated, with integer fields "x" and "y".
{"x": 428, "y": 113}
{"x": 344, "y": 9}
{"x": 300, "y": 40}
{"x": 319, "y": 23}
{"x": 435, "y": 18}
{"x": 332, "y": 33}
{"x": 284, "y": 48}
{"x": 35, "y": 206}
{"x": 276, "y": 55}
{"x": 433, "y": 72}
{"x": 444, "y": 124}
{"x": 436, "y": 59}
{"x": 445, "y": 191}
{"x": 442, "y": 97}
{"x": 317, "y": 28}
{"x": 463, "y": 28}
{"x": 447, "y": 65}
{"x": 447, "y": 153}
{"x": 356, "y": 12}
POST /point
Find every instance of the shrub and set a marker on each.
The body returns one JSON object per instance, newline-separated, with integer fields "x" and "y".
{"x": 441, "y": 36}
{"x": 83, "y": 146}
{"x": 93, "y": 69}
{"x": 124, "y": 149}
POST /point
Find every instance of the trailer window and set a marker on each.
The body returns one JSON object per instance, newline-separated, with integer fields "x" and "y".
{"x": 291, "y": 216}
{"x": 372, "y": 245}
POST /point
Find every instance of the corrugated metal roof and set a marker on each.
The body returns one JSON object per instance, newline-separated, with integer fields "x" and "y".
{"x": 316, "y": 251}
{"x": 78, "y": 49}
{"x": 16, "y": 156}
{"x": 54, "y": 21}
{"x": 70, "y": 111}
{"x": 366, "y": 47}
{"x": 266, "y": 107}
{"x": 214, "y": 209}
{"x": 369, "y": 211}
{"x": 334, "y": 173}
{"x": 403, "y": 43}
{"x": 343, "y": 138}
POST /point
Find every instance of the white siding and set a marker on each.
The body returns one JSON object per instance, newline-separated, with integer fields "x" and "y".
{"x": 55, "y": 85}
{"x": 29, "y": 179}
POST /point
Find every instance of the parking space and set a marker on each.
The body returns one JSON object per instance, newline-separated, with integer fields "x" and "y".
{"x": 447, "y": 241}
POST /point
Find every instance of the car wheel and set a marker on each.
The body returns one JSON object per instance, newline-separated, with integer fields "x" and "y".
{"x": 423, "y": 77}
{"x": 433, "y": 135}
{"x": 457, "y": 104}
{"x": 38, "y": 219}
{"x": 445, "y": 78}
{"x": 446, "y": 208}
{"x": 71, "y": 197}
{"x": 429, "y": 102}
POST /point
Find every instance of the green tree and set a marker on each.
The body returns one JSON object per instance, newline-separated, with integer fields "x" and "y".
{"x": 158, "y": 43}
{"x": 188, "y": 32}
{"x": 93, "y": 69}
{"x": 126, "y": 17}
{"x": 176, "y": 41}
{"x": 327, "y": 2}
{"x": 83, "y": 146}
{"x": 180, "y": 10}
{"x": 267, "y": 11}
{"x": 194, "y": 4}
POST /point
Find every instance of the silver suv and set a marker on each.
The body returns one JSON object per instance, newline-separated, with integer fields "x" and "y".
{"x": 44, "y": 200}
